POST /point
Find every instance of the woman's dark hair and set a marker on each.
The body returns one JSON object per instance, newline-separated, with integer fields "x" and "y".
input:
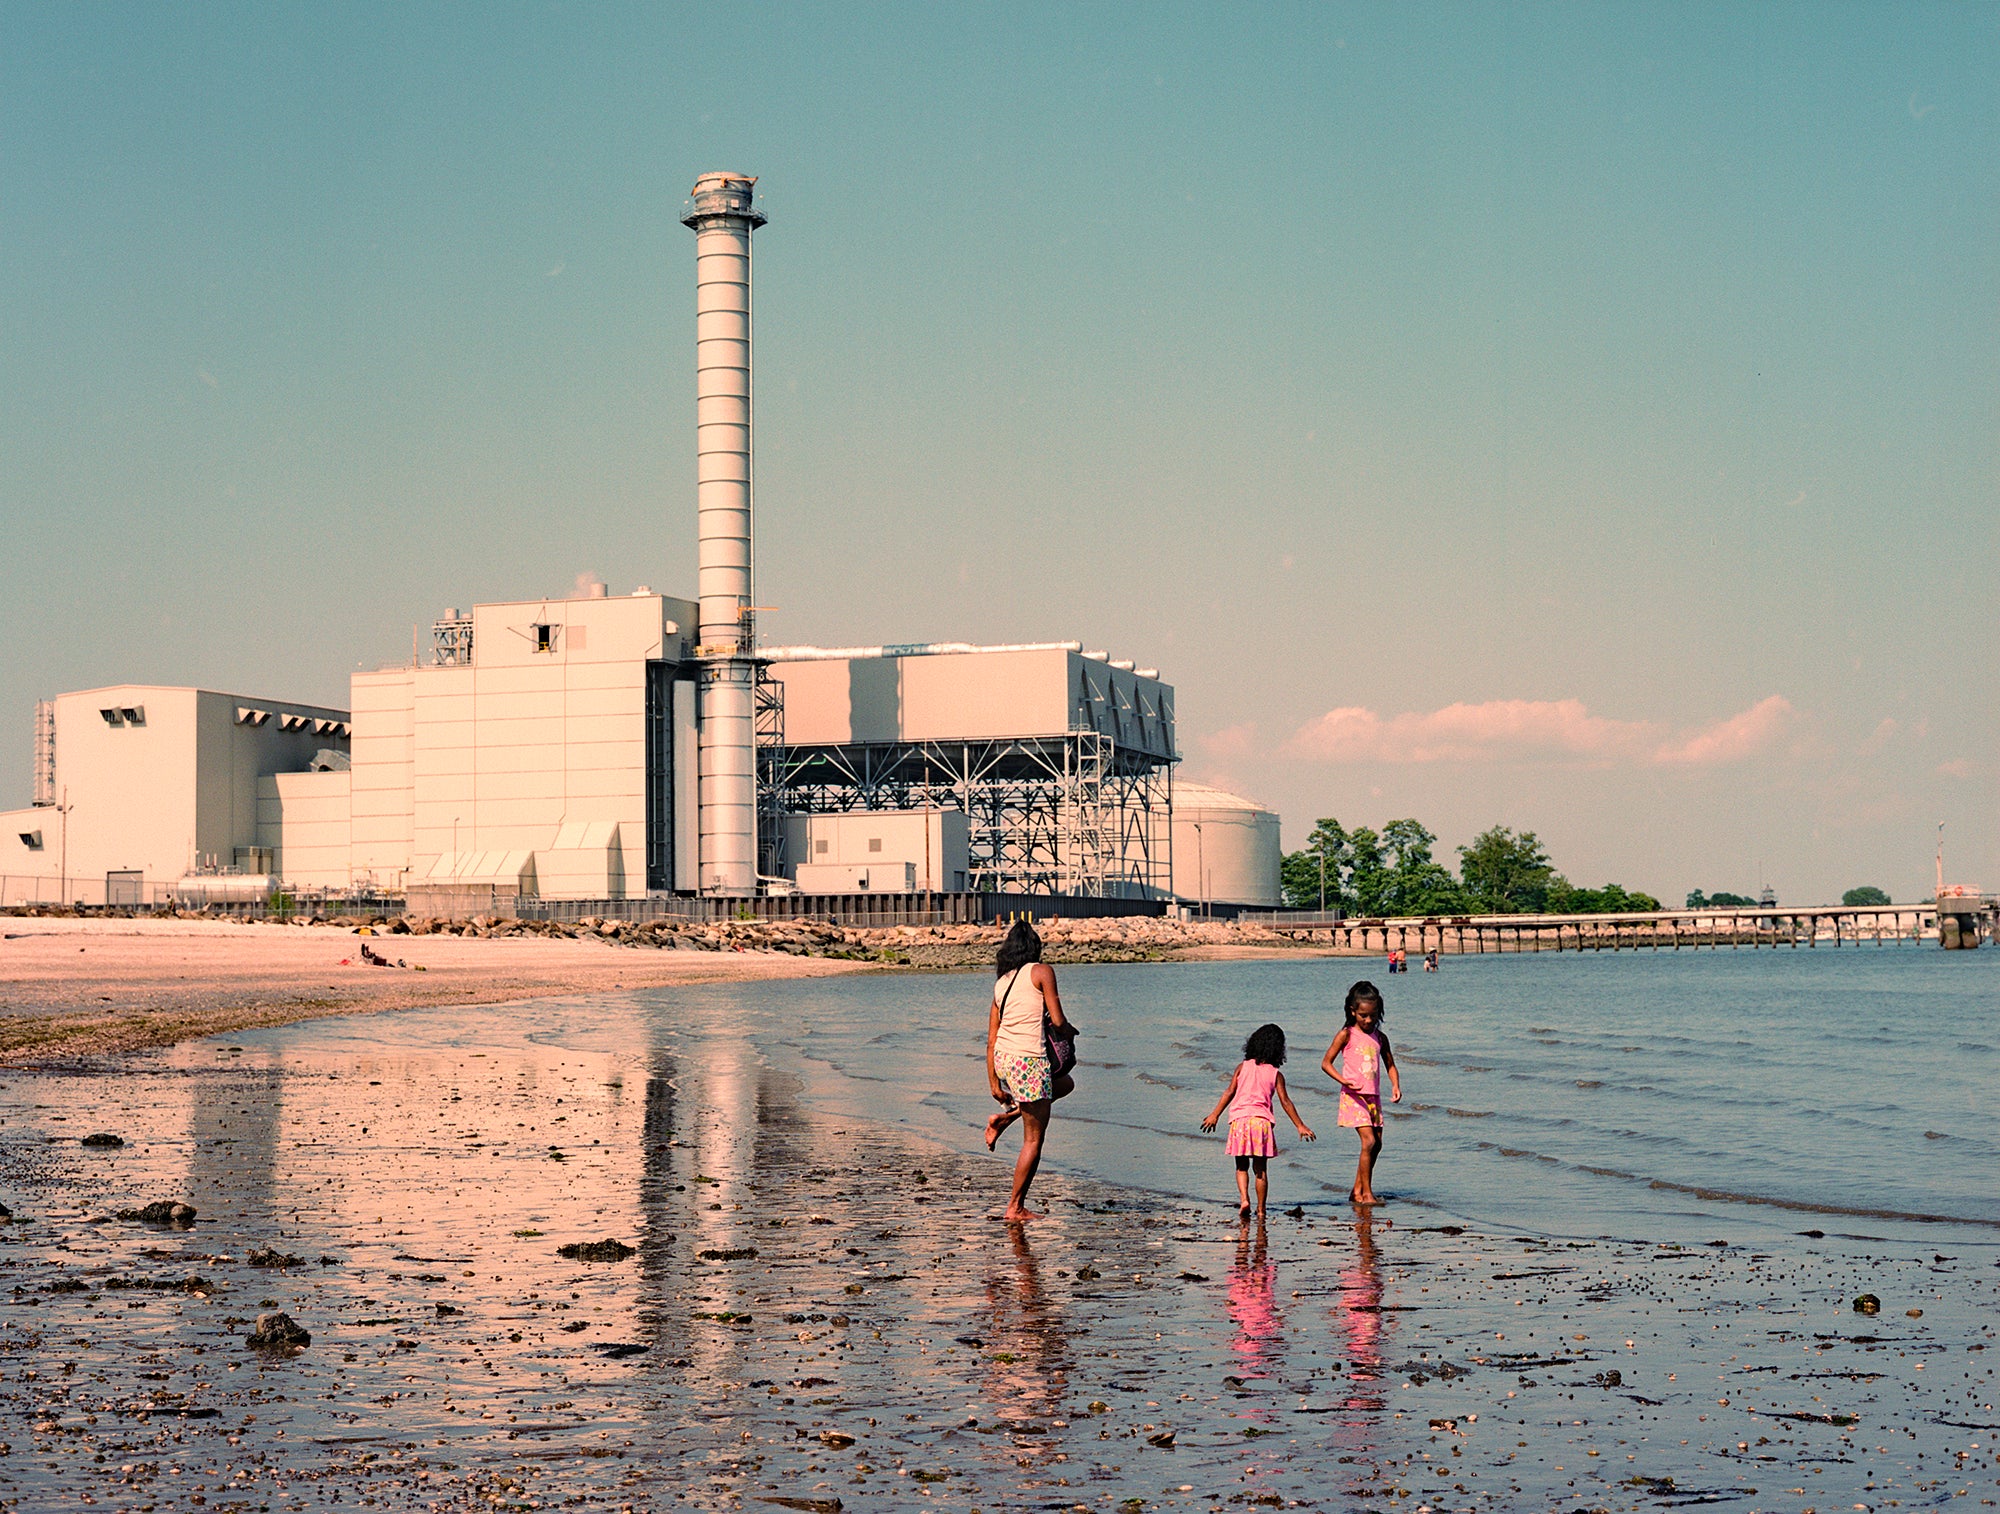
{"x": 1021, "y": 947}
{"x": 1266, "y": 1045}
{"x": 1362, "y": 993}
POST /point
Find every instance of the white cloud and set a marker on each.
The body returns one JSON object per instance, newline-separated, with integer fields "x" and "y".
{"x": 1734, "y": 739}
{"x": 1532, "y": 730}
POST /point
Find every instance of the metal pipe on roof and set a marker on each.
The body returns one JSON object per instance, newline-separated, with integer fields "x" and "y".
{"x": 907, "y": 649}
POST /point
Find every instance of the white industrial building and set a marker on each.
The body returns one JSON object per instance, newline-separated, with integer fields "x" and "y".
{"x": 613, "y": 746}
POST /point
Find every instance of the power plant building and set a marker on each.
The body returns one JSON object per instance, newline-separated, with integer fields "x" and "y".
{"x": 613, "y": 746}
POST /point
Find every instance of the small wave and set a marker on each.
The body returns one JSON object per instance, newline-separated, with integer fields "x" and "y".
{"x": 1725, "y": 1196}
{"x": 1589, "y": 1083}
{"x": 1469, "y": 1114}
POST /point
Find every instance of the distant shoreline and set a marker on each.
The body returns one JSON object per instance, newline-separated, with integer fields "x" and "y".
{"x": 72, "y": 987}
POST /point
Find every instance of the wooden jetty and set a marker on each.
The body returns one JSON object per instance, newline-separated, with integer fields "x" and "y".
{"x": 1666, "y": 930}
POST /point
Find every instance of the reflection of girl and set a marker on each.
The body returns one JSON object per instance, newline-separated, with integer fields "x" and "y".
{"x": 1253, "y": 1139}
{"x": 1018, "y": 1071}
{"x": 1027, "y": 1359}
{"x": 1355, "y": 1061}
{"x": 1253, "y": 1304}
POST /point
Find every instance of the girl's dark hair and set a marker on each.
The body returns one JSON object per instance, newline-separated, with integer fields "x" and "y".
{"x": 1266, "y": 1045}
{"x": 1021, "y": 947}
{"x": 1362, "y": 993}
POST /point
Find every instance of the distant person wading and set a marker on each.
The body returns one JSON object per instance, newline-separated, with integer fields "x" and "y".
{"x": 1030, "y": 1049}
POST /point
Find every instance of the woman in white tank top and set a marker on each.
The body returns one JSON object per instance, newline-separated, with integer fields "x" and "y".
{"x": 1018, "y": 1071}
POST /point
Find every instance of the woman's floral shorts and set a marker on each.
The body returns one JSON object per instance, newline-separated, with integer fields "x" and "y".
{"x": 1027, "y": 1077}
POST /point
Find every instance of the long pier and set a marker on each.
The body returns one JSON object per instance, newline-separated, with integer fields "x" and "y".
{"x": 1666, "y": 930}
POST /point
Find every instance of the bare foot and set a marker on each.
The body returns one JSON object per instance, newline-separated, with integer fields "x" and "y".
{"x": 1016, "y": 1216}
{"x": 1243, "y": 1211}
{"x": 1366, "y": 1199}
{"x": 995, "y": 1126}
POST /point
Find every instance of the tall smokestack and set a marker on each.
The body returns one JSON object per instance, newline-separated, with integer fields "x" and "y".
{"x": 722, "y": 220}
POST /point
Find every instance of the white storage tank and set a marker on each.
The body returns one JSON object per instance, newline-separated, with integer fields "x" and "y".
{"x": 1225, "y": 848}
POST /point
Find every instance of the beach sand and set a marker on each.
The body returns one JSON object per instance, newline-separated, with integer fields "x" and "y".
{"x": 821, "y": 1312}
{"x": 86, "y": 986}
{"x": 89, "y": 986}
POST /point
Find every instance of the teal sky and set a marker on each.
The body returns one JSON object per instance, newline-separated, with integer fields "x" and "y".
{"x": 1577, "y": 417}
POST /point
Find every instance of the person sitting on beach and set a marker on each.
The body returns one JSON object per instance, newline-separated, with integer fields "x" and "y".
{"x": 1355, "y": 1060}
{"x": 1253, "y": 1138}
{"x": 1018, "y": 1071}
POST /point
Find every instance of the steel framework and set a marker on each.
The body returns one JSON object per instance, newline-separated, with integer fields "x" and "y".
{"x": 1074, "y": 814}
{"x": 45, "y": 753}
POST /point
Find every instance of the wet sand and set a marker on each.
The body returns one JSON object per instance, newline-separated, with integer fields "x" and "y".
{"x": 88, "y": 986}
{"x": 820, "y": 1311}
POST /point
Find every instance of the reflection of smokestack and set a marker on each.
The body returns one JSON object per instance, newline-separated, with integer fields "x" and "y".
{"x": 722, "y": 220}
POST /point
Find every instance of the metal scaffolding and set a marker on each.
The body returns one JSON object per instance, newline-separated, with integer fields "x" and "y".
{"x": 1074, "y": 814}
{"x": 45, "y": 753}
{"x": 768, "y": 715}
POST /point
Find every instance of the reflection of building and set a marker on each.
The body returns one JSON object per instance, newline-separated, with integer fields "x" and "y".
{"x": 602, "y": 747}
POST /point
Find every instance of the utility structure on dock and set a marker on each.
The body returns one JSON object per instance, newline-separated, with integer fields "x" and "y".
{"x": 1668, "y": 930}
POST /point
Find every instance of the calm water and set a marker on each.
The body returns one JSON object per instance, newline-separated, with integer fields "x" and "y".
{"x": 1673, "y": 1094}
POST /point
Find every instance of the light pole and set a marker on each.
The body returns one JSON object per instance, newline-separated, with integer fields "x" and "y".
{"x": 63, "y": 809}
{"x": 454, "y": 841}
{"x": 1200, "y": 873}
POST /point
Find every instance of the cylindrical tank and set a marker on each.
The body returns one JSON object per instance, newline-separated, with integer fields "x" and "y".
{"x": 725, "y": 720}
{"x": 1225, "y": 848}
{"x": 722, "y": 219}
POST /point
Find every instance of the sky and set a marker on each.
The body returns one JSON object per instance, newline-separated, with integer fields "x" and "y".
{"x": 1579, "y": 418}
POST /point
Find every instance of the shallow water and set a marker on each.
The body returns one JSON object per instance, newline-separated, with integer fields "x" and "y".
{"x": 1661, "y": 1093}
{"x": 797, "y": 1168}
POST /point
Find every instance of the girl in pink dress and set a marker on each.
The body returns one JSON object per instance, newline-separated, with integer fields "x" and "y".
{"x": 1355, "y": 1061}
{"x": 1253, "y": 1139}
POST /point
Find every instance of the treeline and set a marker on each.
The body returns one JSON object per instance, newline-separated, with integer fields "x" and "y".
{"x": 1393, "y": 872}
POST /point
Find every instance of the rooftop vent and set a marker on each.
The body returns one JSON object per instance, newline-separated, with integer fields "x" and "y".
{"x": 32, "y": 840}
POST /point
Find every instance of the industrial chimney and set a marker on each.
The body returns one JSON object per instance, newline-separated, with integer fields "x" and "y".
{"x": 722, "y": 220}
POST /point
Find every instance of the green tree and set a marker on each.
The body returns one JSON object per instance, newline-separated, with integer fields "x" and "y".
{"x": 1323, "y": 862}
{"x": 1367, "y": 874}
{"x": 1505, "y": 873}
{"x": 1566, "y": 899}
{"x": 1417, "y": 884}
{"x": 1867, "y": 894}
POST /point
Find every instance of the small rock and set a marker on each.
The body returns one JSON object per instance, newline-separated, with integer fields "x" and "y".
{"x": 596, "y": 1251}
{"x": 1868, "y": 1303}
{"x": 1099, "y": 1406}
{"x": 1914, "y": 1313}
{"x": 162, "y": 1212}
{"x": 1612, "y": 1379}
{"x": 278, "y": 1331}
{"x": 618, "y": 1351}
{"x": 105, "y": 1139}
{"x": 1088, "y": 1274}
{"x": 837, "y": 1439}
{"x": 1164, "y": 1439}
{"x": 1296, "y": 1212}
{"x": 446, "y": 1311}
{"x": 727, "y": 1254}
{"x": 271, "y": 1257}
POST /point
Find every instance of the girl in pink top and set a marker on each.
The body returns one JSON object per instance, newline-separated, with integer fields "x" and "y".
{"x": 1253, "y": 1137}
{"x": 1355, "y": 1061}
